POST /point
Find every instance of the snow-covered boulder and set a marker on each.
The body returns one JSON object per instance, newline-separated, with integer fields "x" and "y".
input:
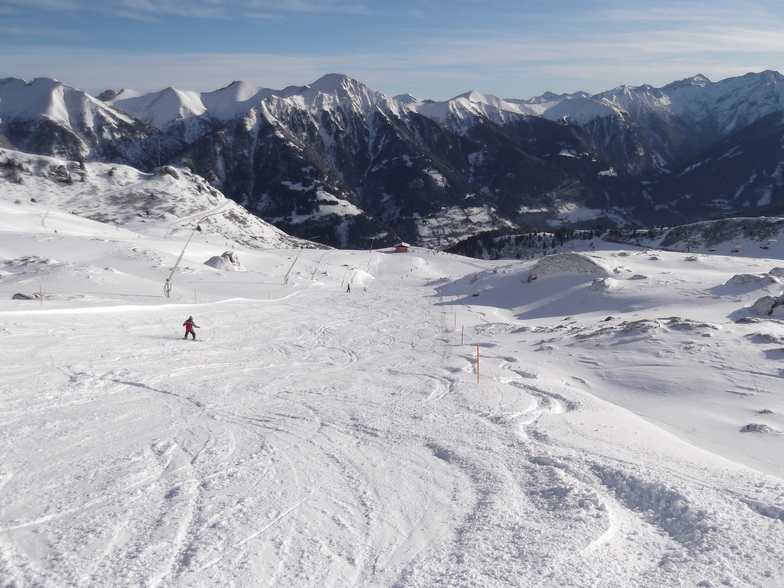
{"x": 758, "y": 428}
{"x": 768, "y": 305}
{"x": 229, "y": 262}
{"x": 568, "y": 263}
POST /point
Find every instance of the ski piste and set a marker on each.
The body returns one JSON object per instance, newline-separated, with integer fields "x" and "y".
{"x": 330, "y": 440}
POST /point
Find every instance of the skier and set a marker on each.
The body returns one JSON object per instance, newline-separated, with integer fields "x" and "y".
{"x": 348, "y": 288}
{"x": 189, "y": 326}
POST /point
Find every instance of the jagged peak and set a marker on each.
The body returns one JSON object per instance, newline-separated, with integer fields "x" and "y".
{"x": 341, "y": 90}
{"x": 336, "y": 84}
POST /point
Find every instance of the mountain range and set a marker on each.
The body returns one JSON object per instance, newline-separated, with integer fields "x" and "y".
{"x": 340, "y": 163}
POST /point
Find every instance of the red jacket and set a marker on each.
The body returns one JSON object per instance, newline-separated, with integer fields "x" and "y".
{"x": 189, "y": 325}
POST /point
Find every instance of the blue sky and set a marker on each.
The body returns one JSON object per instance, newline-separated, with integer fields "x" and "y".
{"x": 431, "y": 48}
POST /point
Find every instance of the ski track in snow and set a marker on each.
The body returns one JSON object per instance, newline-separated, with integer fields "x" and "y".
{"x": 333, "y": 439}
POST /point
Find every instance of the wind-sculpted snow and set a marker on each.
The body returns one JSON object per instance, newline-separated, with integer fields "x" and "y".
{"x": 444, "y": 424}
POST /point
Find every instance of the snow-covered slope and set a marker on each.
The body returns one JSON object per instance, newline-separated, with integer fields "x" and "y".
{"x": 166, "y": 202}
{"x": 730, "y": 104}
{"x": 447, "y": 422}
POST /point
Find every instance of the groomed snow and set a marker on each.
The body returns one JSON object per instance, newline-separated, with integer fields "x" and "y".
{"x": 622, "y": 435}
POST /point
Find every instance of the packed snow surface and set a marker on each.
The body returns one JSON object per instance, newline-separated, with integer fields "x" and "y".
{"x": 444, "y": 423}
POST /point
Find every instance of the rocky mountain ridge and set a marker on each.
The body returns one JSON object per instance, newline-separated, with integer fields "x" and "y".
{"x": 344, "y": 164}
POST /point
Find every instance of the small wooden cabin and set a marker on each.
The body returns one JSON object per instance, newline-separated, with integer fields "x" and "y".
{"x": 402, "y": 247}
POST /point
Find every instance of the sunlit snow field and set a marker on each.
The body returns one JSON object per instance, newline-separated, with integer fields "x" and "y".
{"x": 445, "y": 423}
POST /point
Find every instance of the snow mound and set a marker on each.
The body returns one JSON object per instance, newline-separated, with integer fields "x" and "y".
{"x": 568, "y": 263}
{"x": 756, "y": 280}
{"x": 765, "y": 338}
{"x": 648, "y": 326}
{"x": 603, "y": 285}
{"x": 361, "y": 279}
{"x": 228, "y": 262}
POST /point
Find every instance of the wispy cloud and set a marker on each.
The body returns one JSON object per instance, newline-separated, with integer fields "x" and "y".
{"x": 195, "y": 8}
{"x": 696, "y": 13}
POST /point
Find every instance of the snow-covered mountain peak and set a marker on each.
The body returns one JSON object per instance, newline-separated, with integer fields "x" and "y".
{"x": 334, "y": 82}
{"x": 43, "y": 98}
{"x": 234, "y": 99}
{"x": 343, "y": 85}
{"x": 172, "y": 104}
{"x": 635, "y": 99}
{"x": 238, "y": 91}
{"x": 51, "y": 100}
{"x": 732, "y": 103}
{"x": 489, "y": 100}
{"x": 28, "y": 99}
{"x": 159, "y": 109}
{"x": 699, "y": 81}
{"x": 551, "y": 98}
{"x": 407, "y": 99}
{"x": 461, "y": 112}
{"x": 341, "y": 91}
